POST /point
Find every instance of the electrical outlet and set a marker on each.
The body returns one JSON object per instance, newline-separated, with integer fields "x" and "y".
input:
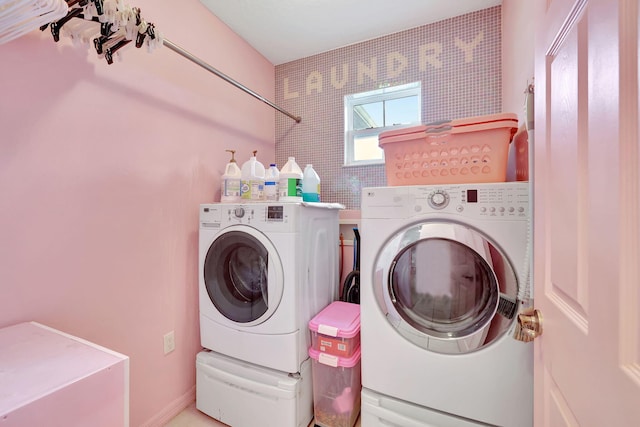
{"x": 169, "y": 342}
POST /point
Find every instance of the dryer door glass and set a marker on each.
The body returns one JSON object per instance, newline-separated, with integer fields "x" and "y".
{"x": 236, "y": 276}
{"x": 445, "y": 287}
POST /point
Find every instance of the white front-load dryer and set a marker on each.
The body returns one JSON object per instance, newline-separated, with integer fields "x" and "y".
{"x": 445, "y": 272}
{"x": 265, "y": 269}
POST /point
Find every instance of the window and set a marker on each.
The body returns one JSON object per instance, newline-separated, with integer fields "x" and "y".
{"x": 368, "y": 114}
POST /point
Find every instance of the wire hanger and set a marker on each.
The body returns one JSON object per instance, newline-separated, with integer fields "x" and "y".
{"x": 119, "y": 25}
{"x": 18, "y": 17}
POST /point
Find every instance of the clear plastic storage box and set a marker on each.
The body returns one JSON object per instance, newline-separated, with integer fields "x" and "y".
{"x": 336, "y": 329}
{"x": 469, "y": 150}
{"x": 336, "y": 388}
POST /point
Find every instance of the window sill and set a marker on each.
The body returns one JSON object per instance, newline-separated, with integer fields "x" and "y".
{"x": 364, "y": 163}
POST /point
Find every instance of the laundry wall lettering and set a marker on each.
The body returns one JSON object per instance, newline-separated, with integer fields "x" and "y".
{"x": 390, "y": 66}
{"x": 457, "y": 61}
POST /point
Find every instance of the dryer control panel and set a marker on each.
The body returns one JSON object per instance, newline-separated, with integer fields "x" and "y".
{"x": 505, "y": 201}
{"x": 487, "y": 200}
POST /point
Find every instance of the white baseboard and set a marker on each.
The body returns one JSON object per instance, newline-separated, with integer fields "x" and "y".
{"x": 172, "y": 409}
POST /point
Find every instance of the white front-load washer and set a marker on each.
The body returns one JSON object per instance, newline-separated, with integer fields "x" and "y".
{"x": 265, "y": 270}
{"x": 444, "y": 274}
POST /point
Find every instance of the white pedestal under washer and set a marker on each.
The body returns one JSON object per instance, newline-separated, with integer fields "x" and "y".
{"x": 265, "y": 269}
{"x": 443, "y": 277}
{"x": 243, "y": 394}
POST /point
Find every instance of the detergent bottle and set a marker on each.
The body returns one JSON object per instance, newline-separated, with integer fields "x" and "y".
{"x": 230, "y": 185}
{"x": 290, "y": 187}
{"x": 252, "y": 182}
{"x": 310, "y": 185}
{"x": 271, "y": 182}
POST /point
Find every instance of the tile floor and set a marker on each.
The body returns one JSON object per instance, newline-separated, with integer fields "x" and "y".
{"x": 191, "y": 417}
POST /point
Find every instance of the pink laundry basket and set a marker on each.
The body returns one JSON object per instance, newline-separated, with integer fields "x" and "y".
{"x": 469, "y": 150}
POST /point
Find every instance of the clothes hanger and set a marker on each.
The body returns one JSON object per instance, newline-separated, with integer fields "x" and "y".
{"x": 18, "y": 17}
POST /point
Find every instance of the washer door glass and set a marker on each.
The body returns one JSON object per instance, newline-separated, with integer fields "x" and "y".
{"x": 445, "y": 287}
{"x": 242, "y": 277}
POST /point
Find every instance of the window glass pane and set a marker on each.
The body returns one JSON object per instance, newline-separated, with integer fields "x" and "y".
{"x": 401, "y": 111}
{"x": 366, "y": 148}
{"x": 367, "y": 116}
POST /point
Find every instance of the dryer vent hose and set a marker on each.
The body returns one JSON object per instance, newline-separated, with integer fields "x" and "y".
{"x": 351, "y": 286}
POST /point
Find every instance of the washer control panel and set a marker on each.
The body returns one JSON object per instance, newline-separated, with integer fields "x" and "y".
{"x": 268, "y": 217}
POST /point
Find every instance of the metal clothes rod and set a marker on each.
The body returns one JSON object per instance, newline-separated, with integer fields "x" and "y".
{"x": 223, "y": 76}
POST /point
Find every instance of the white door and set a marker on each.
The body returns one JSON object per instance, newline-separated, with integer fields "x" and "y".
{"x": 587, "y": 215}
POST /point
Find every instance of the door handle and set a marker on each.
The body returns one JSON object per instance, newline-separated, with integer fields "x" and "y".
{"x": 529, "y": 325}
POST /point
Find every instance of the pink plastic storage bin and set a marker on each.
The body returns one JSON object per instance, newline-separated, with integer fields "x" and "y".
{"x": 336, "y": 329}
{"x": 336, "y": 388}
{"x": 469, "y": 150}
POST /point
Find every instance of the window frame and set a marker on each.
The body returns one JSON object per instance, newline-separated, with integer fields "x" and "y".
{"x": 383, "y": 94}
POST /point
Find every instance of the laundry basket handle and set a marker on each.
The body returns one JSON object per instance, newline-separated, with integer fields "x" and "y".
{"x": 438, "y": 126}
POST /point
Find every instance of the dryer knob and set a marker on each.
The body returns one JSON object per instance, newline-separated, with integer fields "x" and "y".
{"x": 438, "y": 199}
{"x": 238, "y": 212}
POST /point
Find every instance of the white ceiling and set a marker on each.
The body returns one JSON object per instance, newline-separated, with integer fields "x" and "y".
{"x": 286, "y": 30}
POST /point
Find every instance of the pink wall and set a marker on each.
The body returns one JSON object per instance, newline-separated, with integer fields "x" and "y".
{"x": 517, "y": 67}
{"x": 102, "y": 169}
{"x": 517, "y": 53}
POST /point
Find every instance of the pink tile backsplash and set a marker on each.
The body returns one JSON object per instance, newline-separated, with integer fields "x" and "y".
{"x": 458, "y": 61}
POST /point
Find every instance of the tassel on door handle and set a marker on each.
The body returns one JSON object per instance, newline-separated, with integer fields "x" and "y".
{"x": 529, "y": 326}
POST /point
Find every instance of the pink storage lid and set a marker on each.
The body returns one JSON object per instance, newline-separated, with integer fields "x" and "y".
{"x": 467, "y": 124}
{"x": 338, "y": 319}
{"x": 335, "y": 361}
